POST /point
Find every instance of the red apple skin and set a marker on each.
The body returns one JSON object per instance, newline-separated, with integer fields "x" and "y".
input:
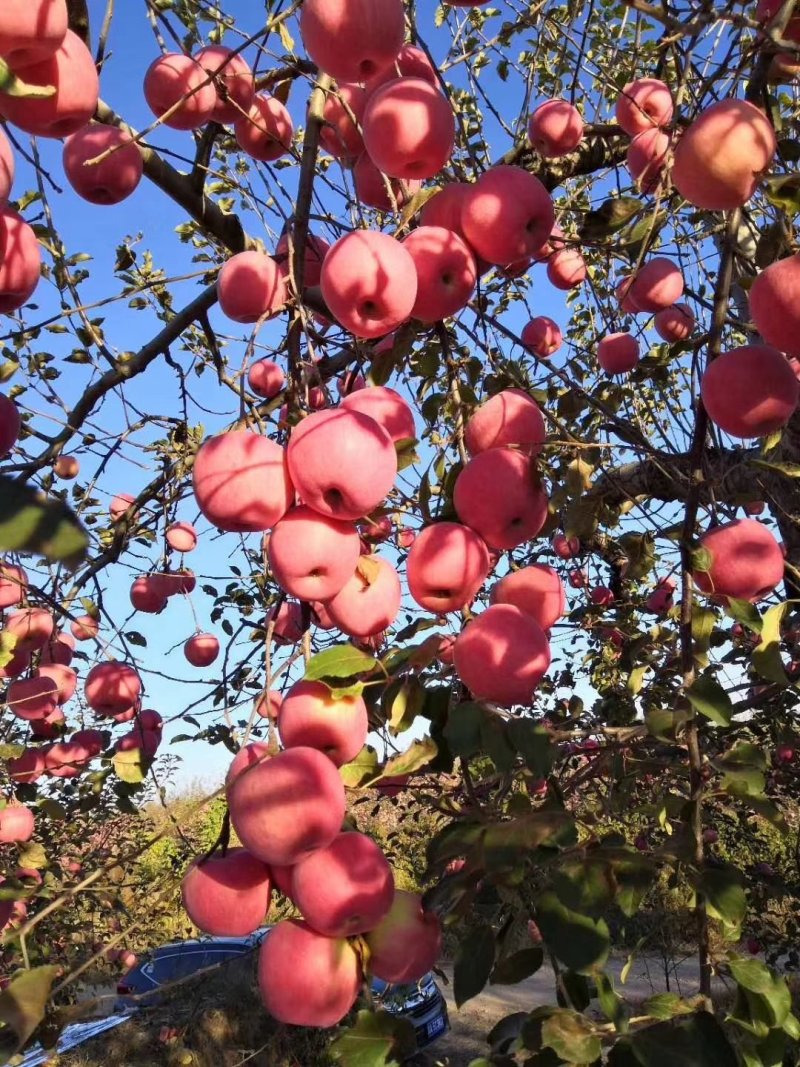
{"x": 7, "y": 169}
{"x": 287, "y": 806}
{"x": 31, "y": 30}
{"x": 622, "y": 291}
{"x": 406, "y": 538}
{"x": 312, "y": 556}
{"x": 750, "y": 391}
{"x": 371, "y": 183}
{"x": 643, "y": 104}
{"x": 352, "y": 40}
{"x": 566, "y": 547}
{"x": 50, "y": 727}
{"x": 344, "y": 889}
{"x": 32, "y": 628}
{"x": 542, "y": 336}
{"x": 445, "y": 207}
{"x": 287, "y": 623}
{"x": 775, "y": 304}
{"x": 320, "y": 616}
{"x": 120, "y": 506}
{"x": 182, "y": 537}
{"x": 146, "y": 595}
{"x": 660, "y": 601}
{"x": 18, "y": 664}
{"x": 112, "y": 687}
{"x": 111, "y": 181}
{"x": 267, "y": 131}
{"x": 201, "y": 650}
{"x": 20, "y": 269}
{"x": 342, "y": 463}
{"x": 508, "y": 418}
{"x": 66, "y": 468}
{"x": 407, "y": 942}
{"x": 507, "y": 215}
{"x": 387, "y": 407}
{"x": 65, "y": 678}
{"x": 409, "y": 129}
{"x": 502, "y": 655}
{"x": 71, "y": 70}
{"x": 446, "y": 272}
{"x": 269, "y": 705}
{"x": 369, "y": 602}
{"x": 13, "y": 583}
{"x": 266, "y": 378}
{"x": 566, "y": 269}
{"x": 227, "y": 896}
{"x": 32, "y": 698}
{"x": 497, "y": 495}
{"x": 255, "y": 753}
{"x": 232, "y": 73}
{"x": 306, "y": 979}
{"x": 241, "y": 481}
{"x": 173, "y": 77}
{"x": 145, "y": 741}
{"x": 720, "y": 158}
{"x": 311, "y": 717}
{"x": 28, "y": 767}
{"x": 16, "y": 824}
{"x": 316, "y": 249}
{"x": 340, "y": 136}
{"x": 674, "y": 323}
{"x": 618, "y": 353}
{"x": 369, "y": 282}
{"x": 537, "y": 590}
{"x": 446, "y": 566}
{"x": 646, "y": 158}
{"x": 84, "y": 628}
{"x": 746, "y": 561}
{"x": 411, "y": 62}
{"x": 555, "y": 129}
{"x": 10, "y": 425}
{"x": 601, "y": 596}
{"x": 59, "y": 648}
{"x": 657, "y": 285}
{"x": 251, "y": 286}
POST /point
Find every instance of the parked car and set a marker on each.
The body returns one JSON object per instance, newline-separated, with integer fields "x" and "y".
{"x": 420, "y": 1002}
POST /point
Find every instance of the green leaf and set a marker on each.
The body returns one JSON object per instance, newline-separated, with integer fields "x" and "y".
{"x": 52, "y": 809}
{"x": 580, "y": 942}
{"x": 534, "y": 743}
{"x": 666, "y": 1006}
{"x": 516, "y": 967}
{"x": 723, "y": 890}
{"x": 405, "y": 699}
{"x": 756, "y": 977}
{"x": 611, "y": 1003}
{"x": 784, "y": 192}
{"x": 610, "y": 217}
{"x": 505, "y": 843}
{"x": 23, "y": 1001}
{"x": 339, "y": 662}
{"x": 377, "y": 1039}
{"x": 473, "y": 963}
{"x": 462, "y": 730}
{"x": 571, "y": 1036}
{"x": 415, "y": 756}
{"x": 32, "y": 854}
{"x": 45, "y": 526}
{"x": 131, "y": 766}
{"x": 708, "y": 697}
{"x": 361, "y": 769}
{"x": 689, "y": 1041}
{"x": 766, "y": 658}
{"x": 14, "y": 86}
{"x": 745, "y": 613}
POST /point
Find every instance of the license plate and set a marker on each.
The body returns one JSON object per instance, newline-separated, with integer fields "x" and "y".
{"x": 435, "y": 1026}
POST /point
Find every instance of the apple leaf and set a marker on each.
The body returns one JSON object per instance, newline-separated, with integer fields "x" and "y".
{"x": 518, "y": 966}
{"x": 695, "y": 1040}
{"x": 33, "y": 522}
{"x": 708, "y": 697}
{"x": 580, "y": 942}
{"x": 377, "y": 1039}
{"x": 569, "y": 1034}
{"x": 23, "y": 1002}
{"x": 766, "y": 658}
{"x": 473, "y": 963}
{"x": 361, "y": 769}
{"x": 131, "y": 766}
{"x": 415, "y": 756}
{"x": 340, "y": 663}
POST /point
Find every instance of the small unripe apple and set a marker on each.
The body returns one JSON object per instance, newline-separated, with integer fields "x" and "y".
{"x": 176, "y": 79}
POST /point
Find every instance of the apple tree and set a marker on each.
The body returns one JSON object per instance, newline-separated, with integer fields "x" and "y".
{"x": 422, "y": 419}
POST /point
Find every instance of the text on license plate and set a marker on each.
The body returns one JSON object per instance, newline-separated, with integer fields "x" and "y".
{"x": 435, "y": 1026}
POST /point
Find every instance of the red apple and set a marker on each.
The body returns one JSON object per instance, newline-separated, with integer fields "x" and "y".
{"x": 409, "y": 129}
{"x": 20, "y": 270}
{"x": 369, "y": 601}
{"x": 146, "y": 594}
{"x": 674, "y": 323}
{"x": 369, "y": 282}
{"x": 750, "y": 391}
{"x": 507, "y": 215}
{"x": 410, "y": 62}
{"x": 287, "y": 623}
{"x": 306, "y": 979}
{"x": 536, "y": 590}
{"x": 446, "y": 272}
{"x": 745, "y": 562}
{"x": 13, "y": 583}
{"x": 352, "y": 40}
{"x": 314, "y": 253}
{"x": 31, "y": 626}
{"x": 344, "y": 889}
{"x": 18, "y": 664}
{"x": 66, "y": 467}
{"x": 406, "y": 943}
{"x": 50, "y": 727}
{"x": 31, "y": 30}
{"x": 7, "y": 169}
{"x": 84, "y": 628}
{"x": 618, "y": 353}
{"x": 241, "y": 481}
{"x": 266, "y": 131}
{"x": 508, "y": 418}
{"x": 269, "y": 706}
{"x": 251, "y": 286}
{"x": 657, "y": 284}
{"x": 287, "y": 806}
{"x": 227, "y": 896}
{"x": 446, "y": 566}
{"x": 32, "y": 698}
{"x": 566, "y": 269}
{"x": 386, "y": 407}
{"x": 498, "y": 494}
{"x": 28, "y": 767}
{"x": 343, "y": 115}
{"x": 251, "y": 755}
{"x": 70, "y": 69}
{"x": 647, "y": 157}
{"x": 601, "y": 596}
{"x": 775, "y": 304}
{"x": 16, "y": 824}
{"x": 111, "y": 181}
{"x": 555, "y": 129}
{"x": 201, "y": 650}
{"x": 59, "y": 648}
{"x": 266, "y": 378}
{"x": 311, "y": 716}
{"x": 720, "y": 159}
{"x": 643, "y": 104}
{"x": 112, "y": 687}
{"x": 182, "y": 536}
{"x": 444, "y": 208}
{"x": 502, "y": 655}
{"x": 175, "y": 79}
{"x": 120, "y": 506}
{"x": 233, "y": 81}
{"x": 311, "y": 555}
{"x": 65, "y": 678}
{"x": 542, "y": 336}
{"x": 342, "y": 463}
{"x": 371, "y": 186}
